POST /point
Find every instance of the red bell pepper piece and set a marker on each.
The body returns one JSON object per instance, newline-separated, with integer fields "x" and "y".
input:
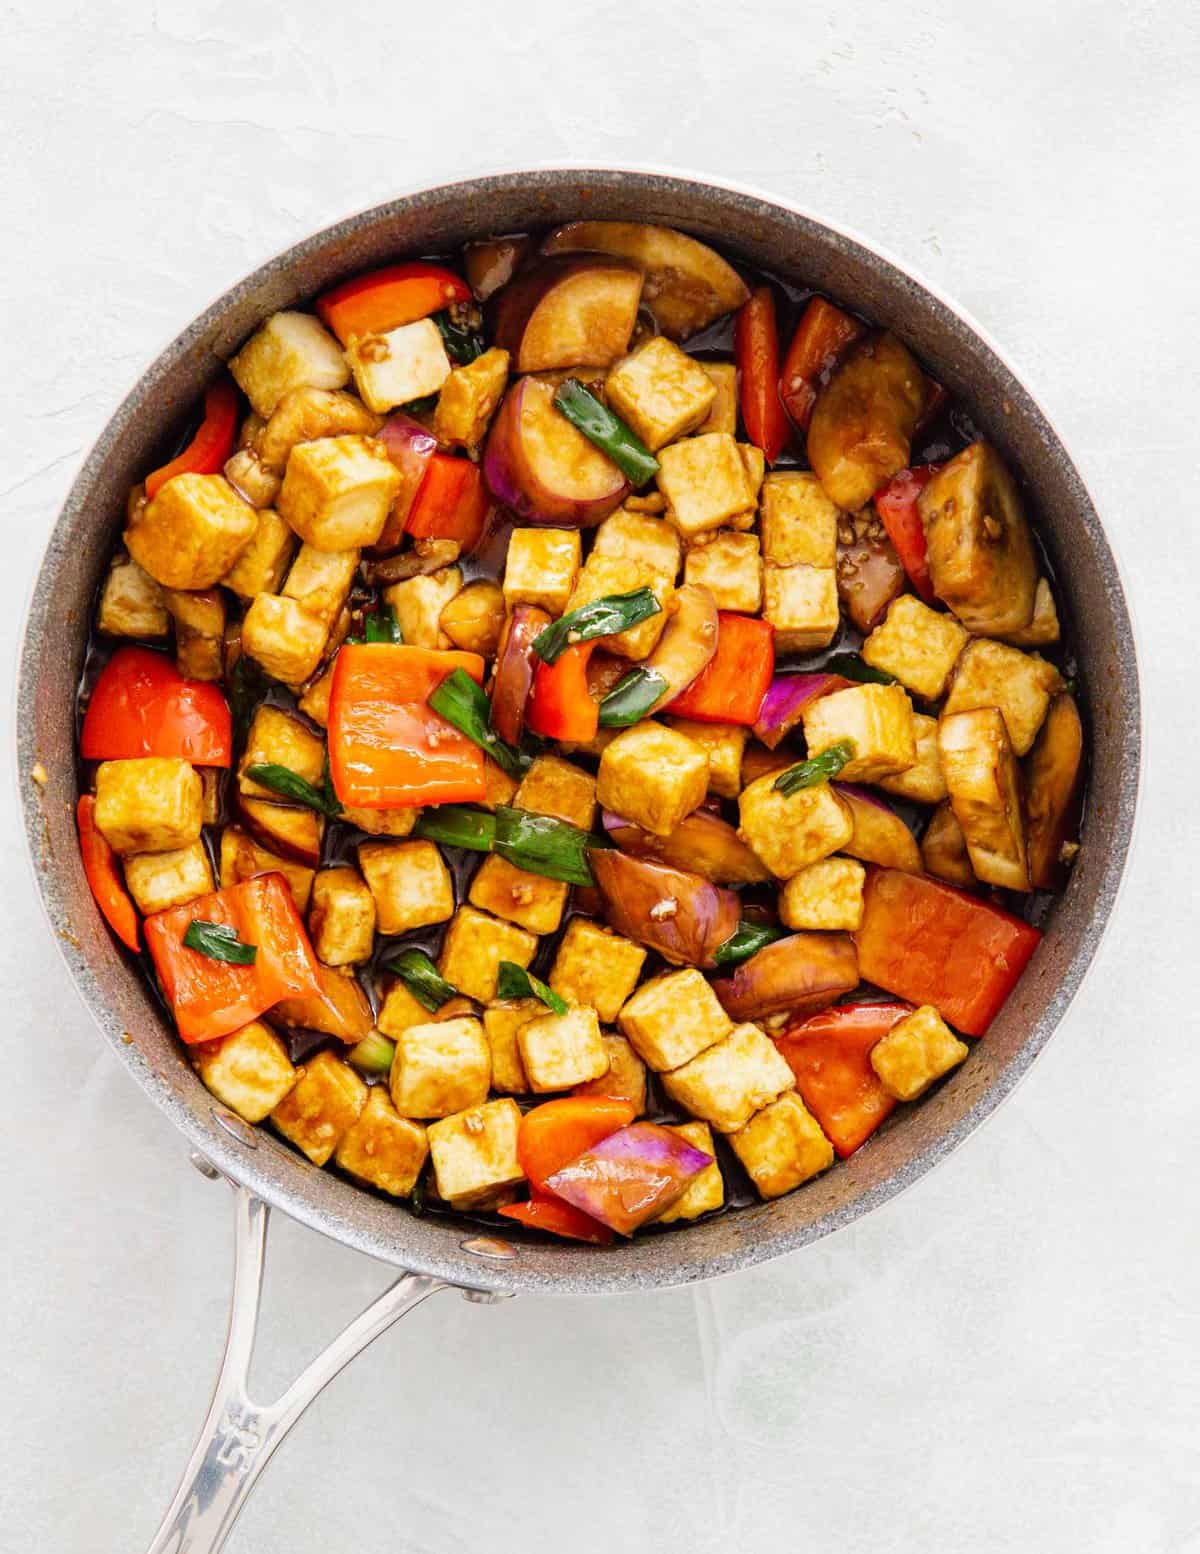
{"x": 384, "y": 299}
{"x": 211, "y": 998}
{"x": 209, "y": 449}
{"x": 822, "y": 334}
{"x": 934, "y": 944}
{"x": 560, "y": 705}
{"x": 896, "y": 504}
{"x": 104, "y": 876}
{"x": 451, "y": 502}
{"x": 410, "y": 446}
{"x": 731, "y": 686}
{"x": 830, "y": 1055}
{"x": 141, "y": 705}
{"x": 544, "y": 1212}
{"x": 557, "y": 1132}
{"x": 388, "y": 749}
{"x": 756, "y": 346}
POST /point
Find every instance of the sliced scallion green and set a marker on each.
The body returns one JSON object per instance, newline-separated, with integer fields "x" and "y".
{"x": 607, "y": 431}
{"x": 601, "y": 618}
{"x": 373, "y": 1054}
{"x": 219, "y": 942}
{"x": 817, "y": 769}
{"x": 457, "y": 825}
{"x": 513, "y": 981}
{"x": 465, "y": 704}
{"x": 422, "y": 979}
{"x": 633, "y": 697}
{"x": 746, "y": 940}
{"x": 382, "y": 625}
{"x": 463, "y": 343}
{"x": 852, "y": 667}
{"x": 290, "y": 785}
{"x": 546, "y": 846}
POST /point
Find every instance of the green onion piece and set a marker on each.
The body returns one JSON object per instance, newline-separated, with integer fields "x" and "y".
{"x": 416, "y": 1198}
{"x": 546, "y": 846}
{"x": 609, "y": 433}
{"x": 422, "y": 979}
{"x": 423, "y": 406}
{"x": 248, "y": 684}
{"x": 382, "y": 626}
{"x": 513, "y": 981}
{"x": 290, "y": 785}
{"x": 817, "y": 769}
{"x": 219, "y": 942}
{"x": 463, "y": 344}
{"x": 457, "y": 825}
{"x": 465, "y": 704}
{"x": 855, "y": 668}
{"x": 373, "y": 1054}
{"x": 746, "y": 940}
{"x": 601, "y": 618}
{"x": 633, "y": 697}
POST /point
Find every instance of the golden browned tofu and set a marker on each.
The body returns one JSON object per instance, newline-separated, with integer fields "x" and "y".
{"x": 263, "y": 565}
{"x": 625, "y": 1077}
{"x": 321, "y": 1106}
{"x": 419, "y": 602}
{"x": 984, "y": 786}
{"x": 603, "y": 576}
{"x": 704, "y": 1192}
{"x": 321, "y": 580}
{"x": 382, "y": 1148}
{"x": 160, "y": 880}
{"x": 400, "y": 1011}
{"x": 705, "y": 481}
{"x": 474, "y": 619}
{"x": 791, "y": 831}
{"x": 199, "y": 631}
{"x": 291, "y": 350}
{"x": 944, "y": 849}
{"x": 917, "y": 646}
{"x": 595, "y": 966}
{"x": 631, "y": 534}
{"x": 723, "y": 744}
{"x": 917, "y": 1050}
{"x": 131, "y": 603}
{"x": 293, "y": 830}
{"x": 381, "y": 822}
{"x": 395, "y": 368}
{"x": 530, "y": 900}
{"x": 754, "y": 463}
{"x": 799, "y": 522}
{"x": 878, "y": 722}
{"x": 660, "y": 392}
{"x": 1043, "y": 628}
{"x": 192, "y": 531}
{"x": 541, "y": 568}
{"x": 782, "y": 1146}
{"x": 555, "y": 787}
{"x": 440, "y": 1068}
{"x": 727, "y": 1083}
{"x": 153, "y": 804}
{"x": 242, "y": 858}
{"x": 561, "y": 1050}
{"x": 652, "y": 775}
{"x": 475, "y": 1154}
{"x": 991, "y": 674}
{"x": 501, "y": 1022}
{"x": 283, "y": 637}
{"x": 923, "y": 781}
{"x": 249, "y": 1071}
{"x": 276, "y": 738}
{"x": 644, "y": 502}
{"x": 723, "y": 412}
{"x": 306, "y": 414}
{"x": 410, "y": 882}
{"x": 337, "y": 491}
{"x": 468, "y": 400}
{"x": 341, "y": 917}
{"x": 730, "y": 567}
{"x": 498, "y": 786}
{"x": 251, "y": 478}
{"x": 801, "y": 602}
{"x": 473, "y": 948}
{"x": 673, "y": 1018}
{"x": 826, "y": 895}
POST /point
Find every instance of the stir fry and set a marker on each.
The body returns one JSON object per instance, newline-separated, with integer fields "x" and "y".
{"x": 577, "y": 733}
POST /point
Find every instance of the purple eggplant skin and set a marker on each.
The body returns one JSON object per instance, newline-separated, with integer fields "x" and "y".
{"x": 787, "y": 697}
{"x": 681, "y": 915}
{"x": 701, "y": 843}
{"x": 631, "y": 1176}
{"x": 879, "y": 836}
{"x": 802, "y": 974}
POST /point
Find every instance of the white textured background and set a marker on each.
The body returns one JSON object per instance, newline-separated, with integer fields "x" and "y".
{"x": 1005, "y": 1359}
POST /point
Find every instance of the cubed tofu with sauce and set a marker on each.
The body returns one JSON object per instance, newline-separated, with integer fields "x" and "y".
{"x": 475, "y": 1154}
{"x": 660, "y": 392}
{"x": 541, "y": 568}
{"x": 341, "y": 917}
{"x": 631, "y": 534}
{"x": 306, "y": 414}
{"x": 730, "y": 567}
{"x": 337, "y": 491}
{"x": 199, "y": 620}
{"x": 801, "y": 603}
{"x": 992, "y": 674}
{"x": 917, "y": 646}
{"x": 400, "y": 1011}
{"x": 251, "y": 478}
{"x": 530, "y": 900}
{"x": 249, "y": 1072}
{"x": 473, "y": 948}
{"x": 922, "y": 782}
{"x": 789, "y": 832}
{"x": 263, "y": 565}
{"x": 594, "y": 965}
{"x": 131, "y": 603}
{"x": 603, "y": 576}
{"x": 555, "y": 787}
{"x": 321, "y": 580}
{"x": 275, "y": 738}
{"x": 625, "y": 1077}
{"x": 1043, "y": 628}
{"x": 653, "y": 776}
{"x": 283, "y": 637}
{"x": 799, "y": 523}
{"x": 410, "y": 882}
{"x": 944, "y": 848}
{"x": 290, "y": 828}
{"x": 151, "y": 804}
{"x": 380, "y": 822}
{"x": 704, "y": 1192}
{"x": 727, "y": 1083}
{"x": 290, "y": 351}
{"x": 191, "y": 532}
{"x": 395, "y": 368}
{"x": 828, "y": 895}
{"x": 983, "y": 781}
{"x": 918, "y": 1050}
{"x": 419, "y": 602}
{"x": 321, "y": 1106}
{"x": 673, "y": 1018}
{"x": 878, "y": 722}
{"x": 723, "y": 412}
{"x": 501, "y": 1022}
{"x": 440, "y": 1068}
{"x": 705, "y": 482}
{"x": 561, "y": 1050}
{"x": 782, "y": 1147}
{"x": 242, "y": 858}
{"x": 383, "y": 1149}
{"x": 160, "y": 880}
{"x": 724, "y": 744}
{"x": 468, "y": 400}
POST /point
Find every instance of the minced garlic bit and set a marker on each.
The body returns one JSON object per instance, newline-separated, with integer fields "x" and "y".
{"x": 473, "y": 1122}
{"x": 663, "y": 909}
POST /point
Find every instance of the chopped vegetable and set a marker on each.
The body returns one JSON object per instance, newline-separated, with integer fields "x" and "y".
{"x": 557, "y": 1132}
{"x": 514, "y": 981}
{"x": 462, "y": 340}
{"x": 212, "y": 445}
{"x": 542, "y": 1212}
{"x": 701, "y": 842}
{"x": 860, "y": 433}
{"x": 786, "y": 697}
{"x": 516, "y": 664}
{"x": 817, "y": 769}
{"x": 373, "y": 1055}
{"x": 822, "y": 334}
{"x": 464, "y": 703}
{"x": 1053, "y": 793}
{"x": 799, "y": 974}
{"x": 879, "y": 835}
{"x": 732, "y": 685}
{"x": 633, "y": 698}
{"x": 543, "y": 845}
{"x": 756, "y": 343}
{"x": 538, "y": 465}
{"x": 680, "y": 914}
{"x": 568, "y": 312}
{"x": 383, "y": 300}
{"x": 411, "y": 448}
{"x": 451, "y": 503}
{"x": 852, "y": 667}
{"x": 290, "y": 785}
{"x": 606, "y": 430}
{"x": 382, "y": 625}
{"x": 141, "y": 705}
{"x": 458, "y": 825}
{"x": 745, "y": 941}
{"x": 869, "y": 573}
{"x": 560, "y": 704}
{"x": 600, "y": 618}
{"x": 493, "y": 263}
{"x": 631, "y": 1176}
{"x": 830, "y": 1055}
{"x": 104, "y": 877}
{"x": 219, "y": 942}
{"x": 422, "y": 979}
{"x": 896, "y": 504}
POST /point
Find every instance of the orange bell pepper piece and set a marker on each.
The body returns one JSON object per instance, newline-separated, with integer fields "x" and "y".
{"x": 380, "y": 300}
{"x": 560, "y": 704}
{"x": 830, "y": 1055}
{"x": 141, "y": 705}
{"x": 543, "y": 1212}
{"x": 731, "y": 686}
{"x": 896, "y": 504}
{"x": 451, "y": 502}
{"x": 209, "y": 449}
{"x": 756, "y": 346}
{"x": 822, "y": 334}
{"x": 557, "y": 1132}
{"x": 104, "y": 876}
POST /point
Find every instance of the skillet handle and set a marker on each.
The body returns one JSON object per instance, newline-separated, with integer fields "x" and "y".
{"x": 239, "y": 1436}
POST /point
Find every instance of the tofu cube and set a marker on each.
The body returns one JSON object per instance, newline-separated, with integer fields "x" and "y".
{"x": 242, "y": 858}
{"x": 475, "y": 1154}
{"x": 251, "y": 479}
{"x": 724, "y": 745}
{"x": 305, "y": 414}
{"x": 553, "y": 786}
{"x": 290, "y": 351}
{"x": 286, "y": 827}
{"x": 826, "y": 895}
{"x": 530, "y": 900}
{"x": 782, "y": 1147}
{"x": 262, "y": 566}
{"x": 703, "y": 1193}
{"x": 199, "y": 631}
{"x": 730, "y": 567}
{"x": 727, "y": 1083}
{"x": 878, "y": 721}
{"x": 917, "y": 1050}
{"x": 498, "y": 786}
{"x": 561, "y": 1050}
{"x": 191, "y": 532}
{"x": 660, "y": 392}
{"x": 131, "y": 603}
{"x": 321, "y": 1106}
{"x": 789, "y": 832}
{"x": 799, "y": 523}
{"x": 922, "y": 782}
{"x": 277, "y": 739}
{"x": 337, "y": 491}
{"x": 160, "y": 880}
{"x": 541, "y": 568}
{"x": 603, "y": 576}
{"x": 473, "y": 948}
{"x": 314, "y": 703}
{"x": 705, "y": 481}
{"x": 501, "y": 1022}
{"x": 249, "y": 1071}
{"x": 381, "y": 822}
{"x": 991, "y": 674}
{"x": 653, "y": 776}
{"x": 341, "y": 917}
{"x": 917, "y": 646}
{"x": 625, "y": 1078}
{"x": 419, "y": 602}
{"x": 283, "y": 637}
{"x": 983, "y": 781}
{"x": 321, "y": 580}
{"x": 1043, "y": 628}
{"x": 754, "y": 463}
{"x": 646, "y": 502}
{"x": 395, "y": 368}
{"x": 801, "y": 602}
{"x": 673, "y": 1018}
{"x": 723, "y": 412}
{"x": 440, "y": 1068}
{"x": 468, "y": 400}
{"x": 151, "y": 804}
{"x": 400, "y": 1011}
{"x": 633, "y": 535}
{"x": 382, "y": 1148}
{"x": 410, "y": 882}
{"x": 944, "y": 849}
{"x": 595, "y": 966}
